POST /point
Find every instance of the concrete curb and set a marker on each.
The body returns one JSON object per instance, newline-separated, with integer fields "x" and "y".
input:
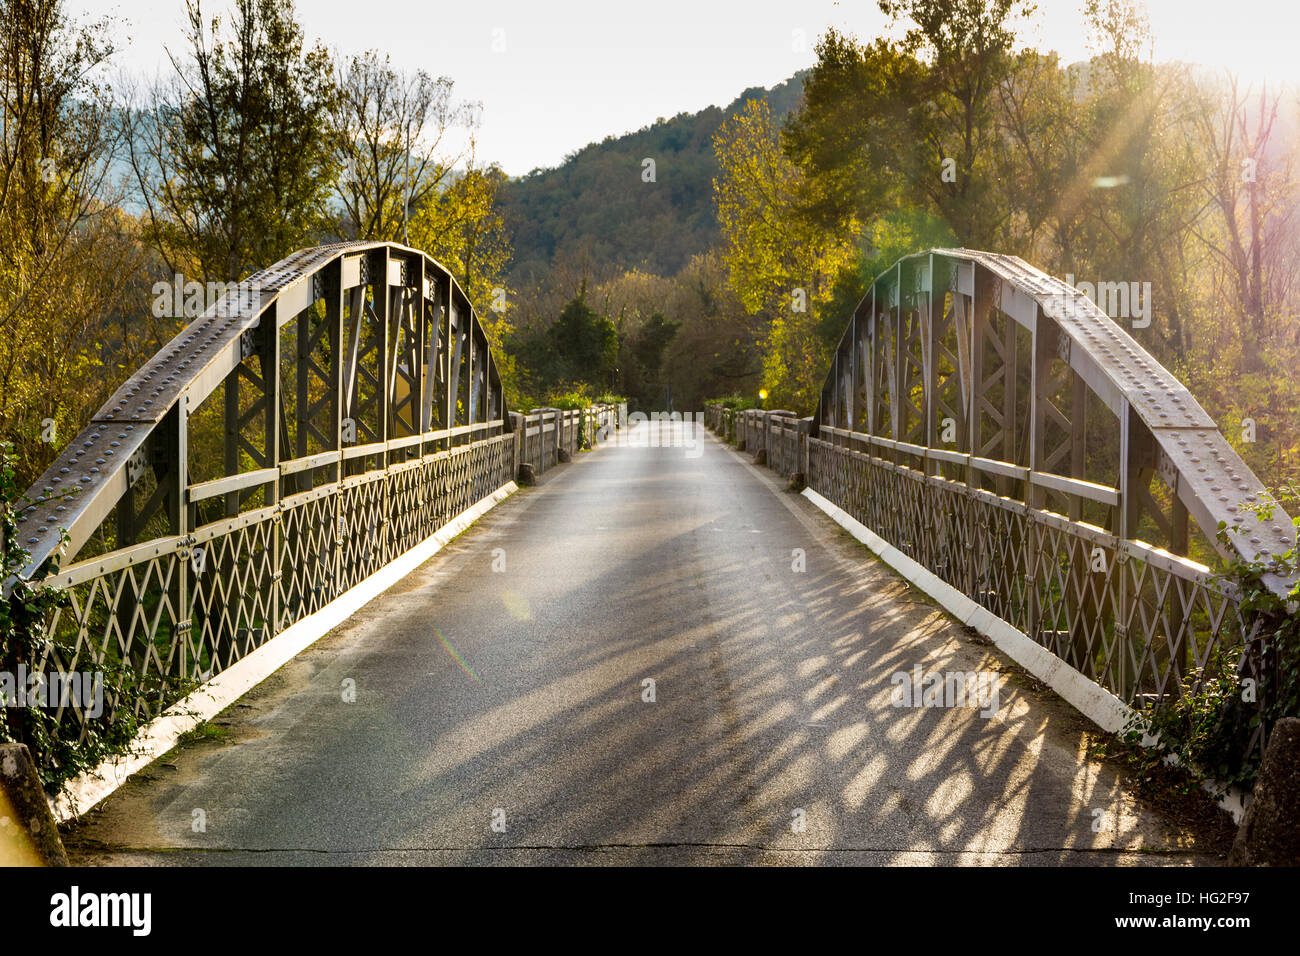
{"x": 161, "y": 734}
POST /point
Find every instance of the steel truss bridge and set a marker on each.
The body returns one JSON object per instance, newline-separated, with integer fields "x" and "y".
{"x": 311, "y": 426}
{"x": 344, "y": 405}
{"x": 996, "y": 426}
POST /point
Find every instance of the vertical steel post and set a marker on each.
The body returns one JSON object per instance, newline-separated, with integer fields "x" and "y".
{"x": 268, "y": 348}
{"x": 173, "y": 451}
{"x": 383, "y": 313}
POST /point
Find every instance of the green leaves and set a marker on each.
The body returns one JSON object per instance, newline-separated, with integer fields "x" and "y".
{"x": 781, "y": 262}
{"x": 460, "y": 225}
{"x": 1210, "y": 722}
{"x": 235, "y": 155}
{"x": 585, "y": 343}
{"x": 61, "y": 750}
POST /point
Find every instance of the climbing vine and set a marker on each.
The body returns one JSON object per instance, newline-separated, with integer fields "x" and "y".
{"x": 1222, "y": 707}
{"x": 60, "y": 749}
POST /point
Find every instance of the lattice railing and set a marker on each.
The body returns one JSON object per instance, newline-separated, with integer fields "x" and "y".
{"x": 1139, "y": 621}
{"x": 288, "y": 443}
{"x": 1136, "y": 620}
{"x": 995, "y": 424}
{"x": 175, "y": 611}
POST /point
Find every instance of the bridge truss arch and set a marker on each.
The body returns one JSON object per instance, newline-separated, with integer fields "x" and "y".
{"x": 317, "y": 421}
{"x": 333, "y": 358}
{"x": 979, "y": 363}
{"x": 996, "y": 426}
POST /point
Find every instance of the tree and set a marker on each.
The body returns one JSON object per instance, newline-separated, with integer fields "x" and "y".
{"x": 643, "y": 359}
{"x": 850, "y": 133}
{"x": 1251, "y": 190}
{"x": 69, "y": 262}
{"x": 719, "y": 348}
{"x": 1039, "y": 116}
{"x": 585, "y": 343}
{"x": 233, "y": 157}
{"x": 1136, "y": 193}
{"x": 776, "y": 258}
{"x": 460, "y": 225}
{"x": 779, "y": 261}
{"x": 966, "y": 46}
{"x": 388, "y": 131}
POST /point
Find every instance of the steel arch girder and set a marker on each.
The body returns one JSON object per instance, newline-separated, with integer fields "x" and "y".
{"x": 96, "y": 470}
{"x": 1190, "y": 453}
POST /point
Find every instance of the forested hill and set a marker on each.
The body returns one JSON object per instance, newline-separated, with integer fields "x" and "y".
{"x": 597, "y": 201}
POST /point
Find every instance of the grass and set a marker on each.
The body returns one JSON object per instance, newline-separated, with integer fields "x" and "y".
{"x": 204, "y": 731}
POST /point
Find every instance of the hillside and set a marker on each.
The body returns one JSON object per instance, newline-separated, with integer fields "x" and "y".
{"x": 597, "y": 198}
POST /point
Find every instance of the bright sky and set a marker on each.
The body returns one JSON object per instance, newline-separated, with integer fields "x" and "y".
{"x": 557, "y": 74}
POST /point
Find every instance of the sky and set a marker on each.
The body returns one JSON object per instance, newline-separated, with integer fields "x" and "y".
{"x": 554, "y": 75}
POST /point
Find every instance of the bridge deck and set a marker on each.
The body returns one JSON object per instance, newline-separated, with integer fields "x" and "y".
{"x": 772, "y": 687}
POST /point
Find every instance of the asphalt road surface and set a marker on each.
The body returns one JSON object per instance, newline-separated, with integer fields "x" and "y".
{"x": 504, "y": 713}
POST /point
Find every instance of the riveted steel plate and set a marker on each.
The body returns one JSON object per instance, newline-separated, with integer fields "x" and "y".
{"x": 97, "y": 458}
{"x": 1214, "y": 476}
{"x": 1151, "y": 389}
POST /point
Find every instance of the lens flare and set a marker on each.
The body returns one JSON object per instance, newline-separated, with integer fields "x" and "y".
{"x": 452, "y": 651}
{"x": 516, "y": 606}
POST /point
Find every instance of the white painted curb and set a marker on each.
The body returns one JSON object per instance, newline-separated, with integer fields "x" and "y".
{"x": 160, "y": 735}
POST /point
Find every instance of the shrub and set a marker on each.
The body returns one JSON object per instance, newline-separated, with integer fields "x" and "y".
{"x": 60, "y": 750}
